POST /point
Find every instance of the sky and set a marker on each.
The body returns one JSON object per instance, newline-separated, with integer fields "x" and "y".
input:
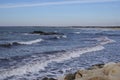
{"x": 59, "y": 12}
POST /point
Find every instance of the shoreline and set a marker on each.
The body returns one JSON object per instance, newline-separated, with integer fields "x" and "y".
{"x": 108, "y": 71}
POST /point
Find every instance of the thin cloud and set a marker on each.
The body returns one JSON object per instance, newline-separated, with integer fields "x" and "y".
{"x": 53, "y": 3}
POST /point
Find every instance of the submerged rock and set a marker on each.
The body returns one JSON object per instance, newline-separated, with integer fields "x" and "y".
{"x": 46, "y": 33}
{"x": 5, "y": 45}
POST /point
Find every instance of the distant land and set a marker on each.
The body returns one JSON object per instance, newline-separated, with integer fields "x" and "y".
{"x": 113, "y": 27}
{"x": 95, "y": 26}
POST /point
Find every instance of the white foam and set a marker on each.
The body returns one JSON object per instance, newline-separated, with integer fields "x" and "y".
{"x": 77, "y": 32}
{"x": 61, "y": 36}
{"x": 36, "y": 66}
{"x": 104, "y": 40}
{"x": 29, "y": 34}
{"x": 64, "y": 36}
{"x": 31, "y": 42}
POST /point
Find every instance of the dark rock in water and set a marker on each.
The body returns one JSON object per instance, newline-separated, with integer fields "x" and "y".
{"x": 48, "y": 78}
{"x": 15, "y": 43}
{"x": 52, "y": 79}
{"x": 96, "y": 66}
{"x": 46, "y": 33}
{"x": 45, "y": 78}
{"x": 6, "y": 45}
{"x": 69, "y": 77}
{"x": 60, "y": 71}
{"x": 4, "y": 59}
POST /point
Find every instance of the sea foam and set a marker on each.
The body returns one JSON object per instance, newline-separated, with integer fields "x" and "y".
{"x": 30, "y": 42}
{"x": 36, "y": 66}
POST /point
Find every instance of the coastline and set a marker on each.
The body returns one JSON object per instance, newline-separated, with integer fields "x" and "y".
{"x": 108, "y": 71}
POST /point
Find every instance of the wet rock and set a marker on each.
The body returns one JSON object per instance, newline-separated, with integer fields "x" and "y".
{"x": 52, "y": 79}
{"x": 96, "y": 66}
{"x": 46, "y": 78}
{"x": 69, "y": 77}
{"x": 60, "y": 71}
{"x": 46, "y": 33}
{"x": 7, "y": 45}
{"x": 79, "y": 74}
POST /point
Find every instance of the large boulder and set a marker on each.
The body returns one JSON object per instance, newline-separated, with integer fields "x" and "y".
{"x": 98, "y": 78}
{"x": 109, "y": 71}
{"x": 108, "y": 67}
{"x": 112, "y": 70}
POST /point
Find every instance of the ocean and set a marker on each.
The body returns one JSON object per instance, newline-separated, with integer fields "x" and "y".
{"x": 28, "y": 56}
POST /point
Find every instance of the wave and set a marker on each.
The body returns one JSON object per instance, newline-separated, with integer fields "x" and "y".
{"x": 26, "y": 34}
{"x": 36, "y": 66}
{"x": 104, "y": 40}
{"x": 9, "y": 44}
{"x": 77, "y": 32}
{"x": 38, "y": 63}
{"x": 63, "y": 36}
{"x": 30, "y": 42}
{"x": 57, "y": 37}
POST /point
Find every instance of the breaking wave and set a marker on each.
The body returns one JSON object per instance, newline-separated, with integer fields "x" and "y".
{"x": 9, "y": 44}
{"x": 30, "y": 42}
{"x": 38, "y": 63}
{"x": 104, "y": 40}
{"x": 77, "y": 32}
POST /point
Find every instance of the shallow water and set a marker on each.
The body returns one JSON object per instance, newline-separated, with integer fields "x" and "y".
{"x": 31, "y": 56}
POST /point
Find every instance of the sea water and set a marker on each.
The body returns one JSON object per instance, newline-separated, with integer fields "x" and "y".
{"x": 26, "y": 56}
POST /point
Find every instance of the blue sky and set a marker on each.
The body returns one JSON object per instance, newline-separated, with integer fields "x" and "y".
{"x": 59, "y": 12}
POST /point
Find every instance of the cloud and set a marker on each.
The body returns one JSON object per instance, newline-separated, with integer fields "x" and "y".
{"x": 12, "y": 5}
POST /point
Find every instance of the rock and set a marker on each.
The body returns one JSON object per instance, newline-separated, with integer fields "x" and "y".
{"x": 114, "y": 73}
{"x": 45, "y": 78}
{"x": 98, "y": 78}
{"x": 69, "y": 77}
{"x": 46, "y": 33}
{"x": 48, "y": 78}
{"x": 80, "y": 73}
{"x": 90, "y": 74}
{"x": 96, "y": 66}
{"x": 109, "y": 71}
{"x": 52, "y": 79}
{"x": 6, "y": 45}
{"x": 108, "y": 67}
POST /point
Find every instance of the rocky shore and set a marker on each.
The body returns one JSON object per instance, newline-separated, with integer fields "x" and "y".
{"x": 109, "y": 71}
